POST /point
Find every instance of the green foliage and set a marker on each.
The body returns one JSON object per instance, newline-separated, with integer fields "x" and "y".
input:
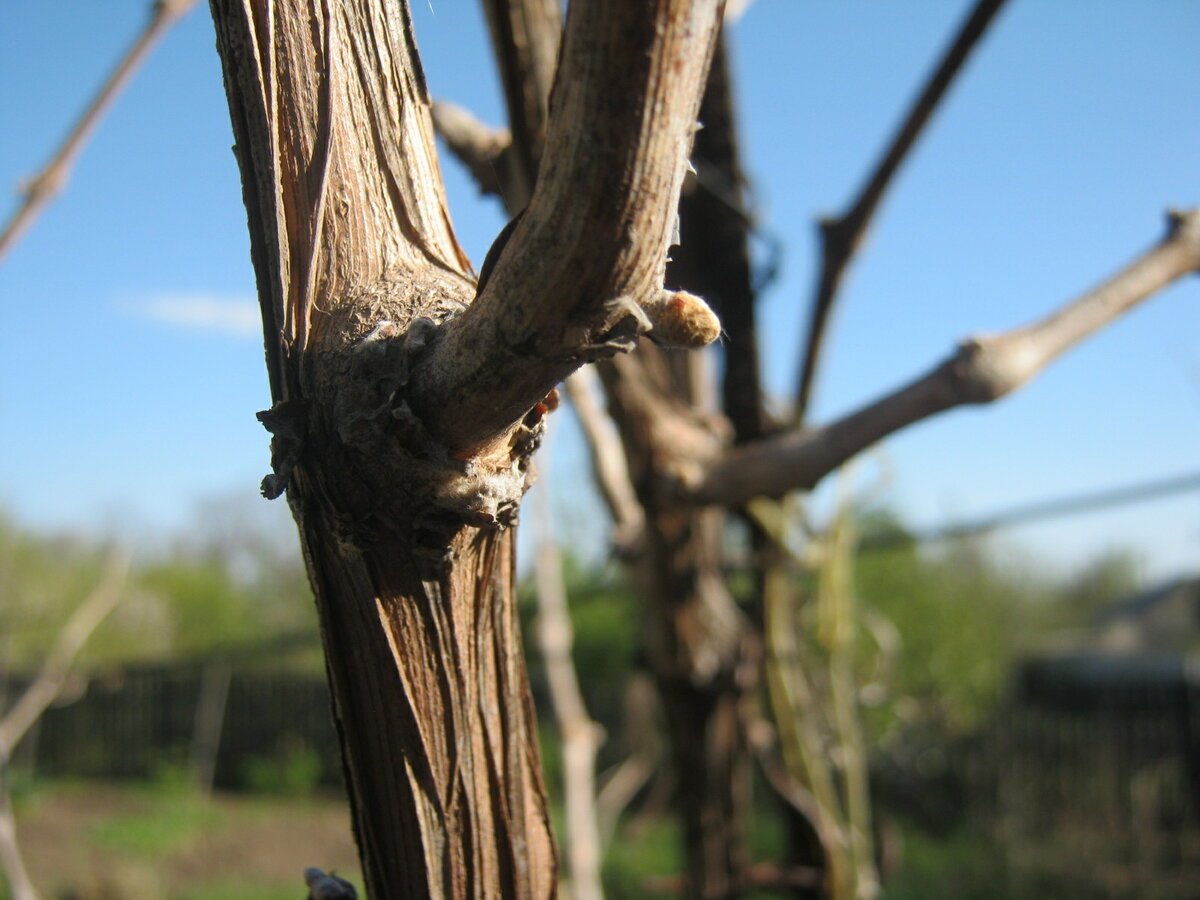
{"x": 963, "y": 865}
{"x": 296, "y": 772}
{"x": 42, "y": 580}
{"x": 94, "y": 840}
{"x": 168, "y": 823}
{"x": 23, "y": 787}
{"x": 172, "y": 778}
{"x": 206, "y": 607}
{"x": 646, "y": 850}
{"x": 230, "y": 889}
{"x": 643, "y": 850}
{"x": 606, "y": 617}
{"x": 1113, "y": 575}
{"x": 961, "y": 618}
{"x": 229, "y": 585}
{"x": 552, "y": 766}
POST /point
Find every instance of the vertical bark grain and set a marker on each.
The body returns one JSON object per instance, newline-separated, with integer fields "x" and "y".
{"x": 349, "y": 231}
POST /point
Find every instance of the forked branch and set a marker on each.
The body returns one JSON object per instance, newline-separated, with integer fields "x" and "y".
{"x": 486, "y": 152}
{"x": 983, "y": 369}
{"x": 582, "y": 273}
{"x": 525, "y": 37}
{"x": 48, "y": 183}
{"x": 841, "y": 236}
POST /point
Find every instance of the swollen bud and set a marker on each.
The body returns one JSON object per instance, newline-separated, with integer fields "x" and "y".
{"x": 683, "y": 320}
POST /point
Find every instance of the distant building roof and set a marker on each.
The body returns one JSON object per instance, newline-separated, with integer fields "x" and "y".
{"x": 1145, "y": 601}
{"x": 1161, "y": 619}
{"x": 1140, "y": 653}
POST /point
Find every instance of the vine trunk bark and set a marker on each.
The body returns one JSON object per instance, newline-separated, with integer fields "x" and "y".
{"x": 408, "y": 395}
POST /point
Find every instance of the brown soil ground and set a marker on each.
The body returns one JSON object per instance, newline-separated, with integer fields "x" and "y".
{"x": 93, "y": 841}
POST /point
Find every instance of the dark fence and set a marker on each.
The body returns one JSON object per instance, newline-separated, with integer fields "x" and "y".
{"x": 1086, "y": 779}
{"x": 1089, "y": 774}
{"x": 1094, "y": 767}
{"x": 232, "y": 727}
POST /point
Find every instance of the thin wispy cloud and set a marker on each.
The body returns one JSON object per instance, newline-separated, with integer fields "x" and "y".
{"x": 233, "y": 317}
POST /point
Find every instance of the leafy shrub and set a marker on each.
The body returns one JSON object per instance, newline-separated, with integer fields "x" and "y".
{"x": 295, "y": 772}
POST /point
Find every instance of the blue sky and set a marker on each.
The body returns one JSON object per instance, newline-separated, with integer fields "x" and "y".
{"x": 131, "y": 365}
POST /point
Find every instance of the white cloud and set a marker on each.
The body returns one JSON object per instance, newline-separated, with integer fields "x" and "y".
{"x": 198, "y": 312}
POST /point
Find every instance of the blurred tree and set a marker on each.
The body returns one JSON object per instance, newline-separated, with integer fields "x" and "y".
{"x": 36, "y": 698}
{"x": 1113, "y": 575}
{"x": 961, "y": 618}
{"x": 41, "y": 580}
{"x": 204, "y": 607}
{"x": 195, "y": 597}
{"x": 606, "y": 646}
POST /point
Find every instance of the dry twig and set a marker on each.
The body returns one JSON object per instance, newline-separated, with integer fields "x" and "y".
{"x": 983, "y": 369}
{"x": 35, "y": 700}
{"x": 484, "y": 151}
{"x": 44, "y": 186}
{"x": 12, "y": 864}
{"x": 841, "y": 236}
{"x": 50, "y": 679}
{"x": 525, "y": 37}
{"x": 580, "y": 736}
{"x": 608, "y": 459}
